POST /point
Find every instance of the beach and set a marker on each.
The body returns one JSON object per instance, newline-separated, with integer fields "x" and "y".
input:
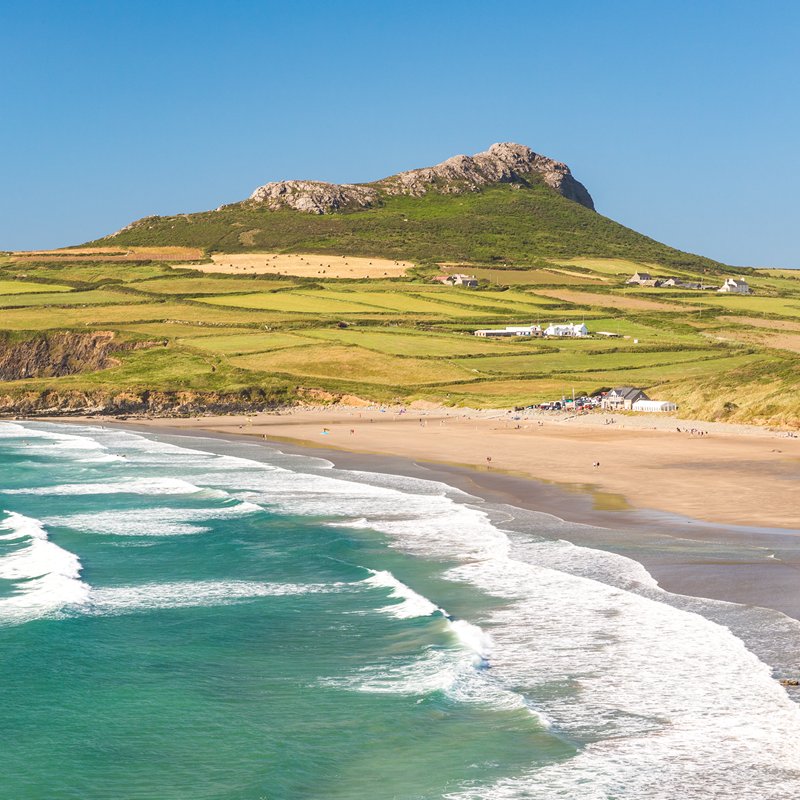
{"x": 504, "y": 634}
{"x": 710, "y": 511}
{"x": 730, "y": 474}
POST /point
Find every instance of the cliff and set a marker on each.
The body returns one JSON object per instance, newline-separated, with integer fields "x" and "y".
{"x": 55, "y": 354}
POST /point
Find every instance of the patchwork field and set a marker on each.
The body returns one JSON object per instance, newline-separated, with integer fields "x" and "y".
{"x": 526, "y": 277}
{"x": 623, "y": 302}
{"x": 305, "y": 265}
{"x": 248, "y": 331}
{"x": 26, "y": 287}
{"x": 202, "y": 286}
{"x": 94, "y": 297}
{"x": 352, "y": 364}
{"x": 128, "y": 253}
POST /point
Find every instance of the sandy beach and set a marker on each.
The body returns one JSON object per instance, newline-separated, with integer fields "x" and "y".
{"x": 710, "y": 513}
{"x": 731, "y": 474}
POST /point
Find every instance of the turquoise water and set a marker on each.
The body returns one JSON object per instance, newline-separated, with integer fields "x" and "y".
{"x": 182, "y": 623}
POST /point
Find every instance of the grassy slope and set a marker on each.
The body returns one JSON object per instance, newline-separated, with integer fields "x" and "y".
{"x": 499, "y": 224}
{"x": 408, "y": 339}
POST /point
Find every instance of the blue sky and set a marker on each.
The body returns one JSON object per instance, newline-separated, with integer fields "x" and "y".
{"x": 681, "y": 118}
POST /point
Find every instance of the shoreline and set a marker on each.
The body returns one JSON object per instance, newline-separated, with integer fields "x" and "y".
{"x": 718, "y": 473}
{"x": 752, "y": 565}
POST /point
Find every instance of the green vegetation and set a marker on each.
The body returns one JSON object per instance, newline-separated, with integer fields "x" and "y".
{"x": 96, "y": 297}
{"x": 189, "y": 286}
{"x": 26, "y": 287}
{"x": 539, "y": 257}
{"x": 410, "y": 339}
{"x": 502, "y": 224}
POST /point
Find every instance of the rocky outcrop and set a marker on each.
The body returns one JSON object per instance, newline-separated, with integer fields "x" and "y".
{"x": 123, "y": 403}
{"x": 52, "y": 355}
{"x": 502, "y": 163}
{"x": 314, "y": 197}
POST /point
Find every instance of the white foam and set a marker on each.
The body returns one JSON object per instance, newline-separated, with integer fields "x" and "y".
{"x": 185, "y": 594}
{"x": 412, "y": 605}
{"x": 146, "y": 486}
{"x": 47, "y": 577}
{"x": 55, "y": 444}
{"x": 668, "y": 703}
{"x": 474, "y": 639}
{"x": 151, "y": 521}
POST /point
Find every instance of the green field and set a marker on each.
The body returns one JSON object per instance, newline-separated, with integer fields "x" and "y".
{"x": 93, "y": 273}
{"x": 352, "y": 364}
{"x": 237, "y": 344}
{"x": 206, "y": 285}
{"x": 27, "y": 287}
{"x": 418, "y": 344}
{"x": 404, "y": 339}
{"x": 94, "y": 297}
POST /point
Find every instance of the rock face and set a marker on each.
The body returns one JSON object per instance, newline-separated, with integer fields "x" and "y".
{"x": 501, "y": 163}
{"x": 55, "y": 354}
{"x": 314, "y": 197}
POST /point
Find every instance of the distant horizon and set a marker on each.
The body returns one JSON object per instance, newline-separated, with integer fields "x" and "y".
{"x": 678, "y": 121}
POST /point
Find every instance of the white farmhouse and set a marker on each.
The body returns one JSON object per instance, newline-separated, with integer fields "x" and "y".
{"x": 568, "y": 329}
{"x": 510, "y": 330}
{"x": 735, "y": 286}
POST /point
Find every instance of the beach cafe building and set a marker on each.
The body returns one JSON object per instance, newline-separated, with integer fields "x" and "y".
{"x": 629, "y": 398}
{"x": 623, "y": 398}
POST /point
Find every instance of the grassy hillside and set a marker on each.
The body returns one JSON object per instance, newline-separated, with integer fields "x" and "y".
{"x": 499, "y": 225}
{"x": 185, "y": 341}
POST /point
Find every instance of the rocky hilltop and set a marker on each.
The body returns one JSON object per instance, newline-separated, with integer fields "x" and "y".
{"x": 314, "y": 197}
{"x": 502, "y": 163}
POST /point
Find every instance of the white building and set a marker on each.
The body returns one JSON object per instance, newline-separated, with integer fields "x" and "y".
{"x": 735, "y": 286}
{"x": 510, "y": 330}
{"x": 457, "y": 279}
{"x": 654, "y": 405}
{"x": 624, "y": 398}
{"x": 568, "y": 329}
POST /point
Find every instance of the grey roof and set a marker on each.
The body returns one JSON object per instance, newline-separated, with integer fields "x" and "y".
{"x": 630, "y": 393}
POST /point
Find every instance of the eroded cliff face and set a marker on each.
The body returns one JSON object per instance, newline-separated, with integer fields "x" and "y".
{"x": 178, "y": 403}
{"x": 504, "y": 162}
{"x": 62, "y": 353}
{"x": 53, "y": 355}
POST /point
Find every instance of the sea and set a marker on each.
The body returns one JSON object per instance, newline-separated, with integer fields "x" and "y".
{"x": 186, "y": 618}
